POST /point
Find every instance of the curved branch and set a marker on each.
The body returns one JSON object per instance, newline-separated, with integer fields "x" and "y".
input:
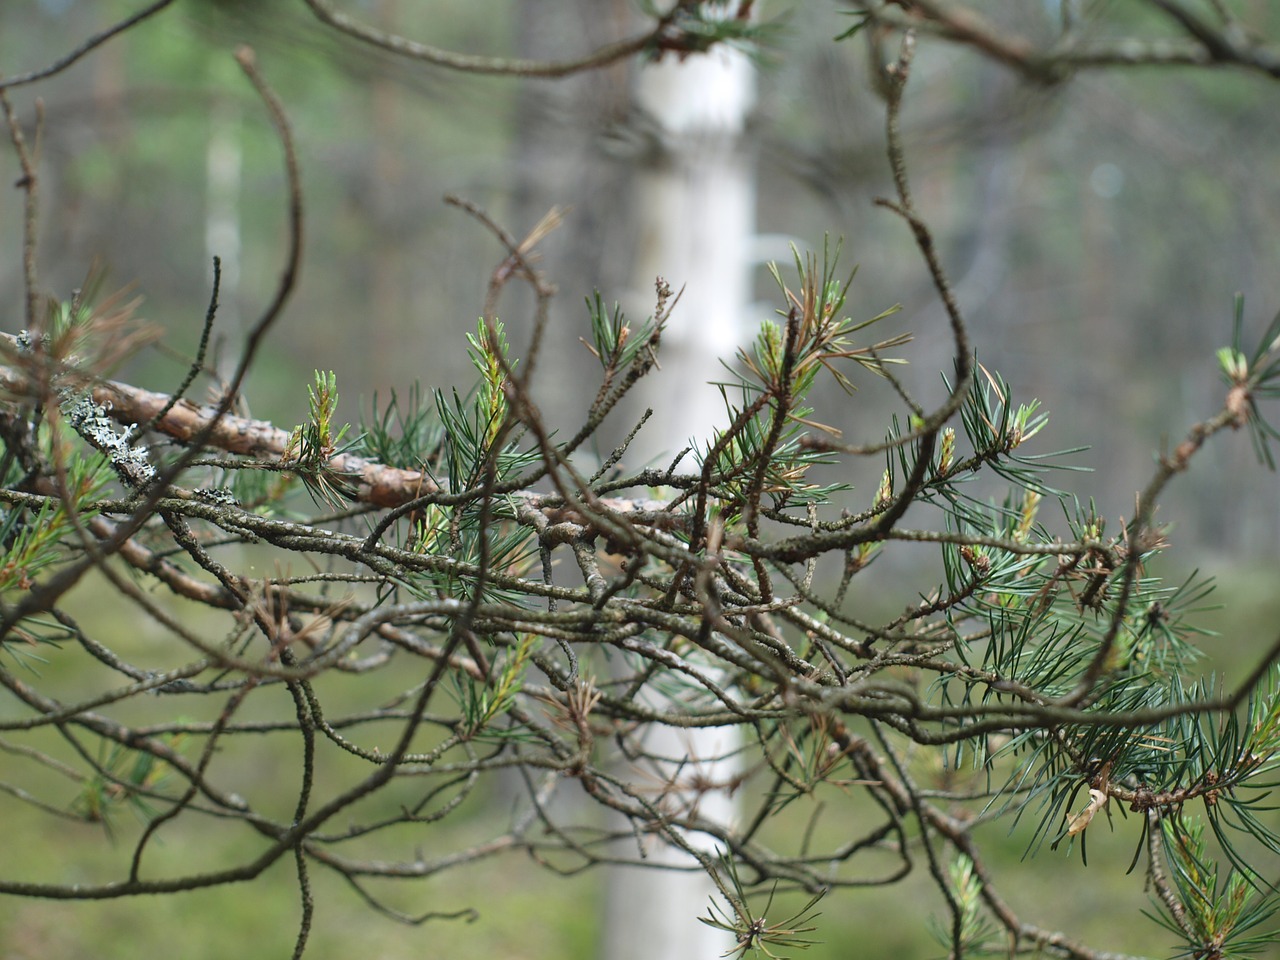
{"x": 471, "y": 63}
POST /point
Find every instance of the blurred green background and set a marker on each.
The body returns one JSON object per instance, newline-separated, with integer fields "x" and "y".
{"x": 1096, "y": 233}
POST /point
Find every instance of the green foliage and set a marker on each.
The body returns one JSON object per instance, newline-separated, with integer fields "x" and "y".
{"x": 613, "y": 342}
{"x": 314, "y": 443}
{"x": 483, "y": 703}
{"x": 1253, "y": 375}
{"x": 770, "y": 417}
{"x": 1205, "y": 911}
{"x": 753, "y": 932}
{"x": 34, "y": 539}
{"x": 489, "y": 356}
{"x": 691, "y": 28}
{"x": 972, "y": 931}
{"x": 476, "y": 427}
{"x": 401, "y": 435}
{"x": 124, "y": 778}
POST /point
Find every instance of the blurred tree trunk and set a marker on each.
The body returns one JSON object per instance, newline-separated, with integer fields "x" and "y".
{"x": 694, "y": 221}
{"x": 677, "y": 200}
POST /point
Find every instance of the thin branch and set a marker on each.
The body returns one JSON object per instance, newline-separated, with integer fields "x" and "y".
{"x": 468, "y": 63}
{"x": 88, "y": 46}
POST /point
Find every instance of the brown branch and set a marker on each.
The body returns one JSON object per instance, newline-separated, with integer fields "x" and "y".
{"x": 471, "y": 63}
{"x": 89, "y": 45}
{"x": 373, "y": 483}
{"x": 29, "y": 182}
{"x": 1204, "y": 45}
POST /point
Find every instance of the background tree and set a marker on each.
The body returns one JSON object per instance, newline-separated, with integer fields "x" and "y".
{"x": 398, "y": 616}
{"x": 694, "y": 213}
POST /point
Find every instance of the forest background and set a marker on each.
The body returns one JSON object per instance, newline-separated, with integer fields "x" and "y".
{"x": 1096, "y": 231}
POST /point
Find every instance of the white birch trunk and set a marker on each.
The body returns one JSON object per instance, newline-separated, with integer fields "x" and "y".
{"x": 695, "y": 217}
